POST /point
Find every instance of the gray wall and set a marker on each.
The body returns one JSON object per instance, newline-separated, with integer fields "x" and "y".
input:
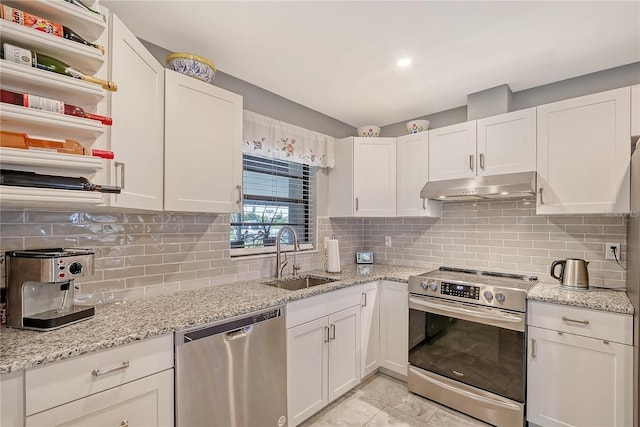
{"x": 612, "y": 78}
{"x": 269, "y": 104}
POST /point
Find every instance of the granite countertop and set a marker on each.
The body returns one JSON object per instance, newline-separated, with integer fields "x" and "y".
{"x": 122, "y": 323}
{"x": 593, "y": 298}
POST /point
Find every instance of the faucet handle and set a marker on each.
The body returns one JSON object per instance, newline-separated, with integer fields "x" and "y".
{"x": 295, "y": 268}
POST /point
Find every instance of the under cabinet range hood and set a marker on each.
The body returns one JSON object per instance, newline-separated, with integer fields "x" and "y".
{"x": 507, "y": 186}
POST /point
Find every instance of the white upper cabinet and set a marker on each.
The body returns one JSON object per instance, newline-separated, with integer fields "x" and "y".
{"x": 583, "y": 154}
{"x": 137, "y": 134}
{"x": 203, "y": 146}
{"x": 490, "y": 146}
{"x": 507, "y": 143}
{"x": 635, "y": 110}
{"x": 363, "y": 181}
{"x": 412, "y": 155}
{"x": 452, "y": 152}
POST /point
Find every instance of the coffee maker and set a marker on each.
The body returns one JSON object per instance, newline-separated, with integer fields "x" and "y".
{"x": 40, "y": 288}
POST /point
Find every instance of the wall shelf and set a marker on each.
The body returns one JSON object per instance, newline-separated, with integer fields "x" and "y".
{"x": 86, "y": 59}
{"x": 20, "y": 78}
{"x": 46, "y": 124}
{"x": 89, "y": 25}
{"x": 50, "y": 163}
{"x": 27, "y": 196}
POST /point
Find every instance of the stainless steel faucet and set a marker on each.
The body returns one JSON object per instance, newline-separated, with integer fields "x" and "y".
{"x": 281, "y": 264}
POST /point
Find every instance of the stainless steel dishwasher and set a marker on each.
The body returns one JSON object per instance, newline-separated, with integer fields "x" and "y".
{"x": 233, "y": 373}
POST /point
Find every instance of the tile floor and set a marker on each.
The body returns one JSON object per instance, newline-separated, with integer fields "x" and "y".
{"x": 385, "y": 401}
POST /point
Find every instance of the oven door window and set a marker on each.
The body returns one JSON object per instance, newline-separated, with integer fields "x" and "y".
{"x": 487, "y": 357}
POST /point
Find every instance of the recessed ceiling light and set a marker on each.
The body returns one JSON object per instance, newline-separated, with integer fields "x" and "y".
{"x": 404, "y": 62}
{"x": 504, "y": 193}
{"x": 442, "y": 197}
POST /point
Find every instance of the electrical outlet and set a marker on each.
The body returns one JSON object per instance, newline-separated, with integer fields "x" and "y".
{"x": 608, "y": 251}
{"x": 387, "y": 241}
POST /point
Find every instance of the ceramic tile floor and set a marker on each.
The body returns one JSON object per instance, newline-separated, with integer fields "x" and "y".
{"x": 385, "y": 401}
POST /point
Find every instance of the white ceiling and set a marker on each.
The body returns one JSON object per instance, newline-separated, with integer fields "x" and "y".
{"x": 339, "y": 57}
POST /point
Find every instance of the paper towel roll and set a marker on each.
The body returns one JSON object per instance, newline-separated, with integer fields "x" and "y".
{"x": 333, "y": 256}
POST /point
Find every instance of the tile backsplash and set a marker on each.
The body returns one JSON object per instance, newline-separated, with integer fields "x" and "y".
{"x": 503, "y": 236}
{"x": 141, "y": 255}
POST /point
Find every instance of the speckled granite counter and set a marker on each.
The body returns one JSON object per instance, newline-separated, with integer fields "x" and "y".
{"x": 117, "y": 324}
{"x": 594, "y": 298}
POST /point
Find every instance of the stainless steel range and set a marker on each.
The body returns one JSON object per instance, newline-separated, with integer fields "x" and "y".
{"x": 467, "y": 342}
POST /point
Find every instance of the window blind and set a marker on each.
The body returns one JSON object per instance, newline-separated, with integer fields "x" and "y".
{"x": 275, "y": 193}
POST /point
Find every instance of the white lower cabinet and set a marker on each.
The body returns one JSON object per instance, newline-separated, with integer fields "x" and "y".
{"x": 144, "y": 402}
{"x": 129, "y": 385}
{"x": 394, "y": 327}
{"x": 323, "y": 351}
{"x": 575, "y": 377}
{"x": 369, "y": 329}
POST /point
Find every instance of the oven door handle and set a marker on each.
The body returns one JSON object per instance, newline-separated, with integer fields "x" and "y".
{"x": 467, "y": 312}
{"x": 506, "y": 405}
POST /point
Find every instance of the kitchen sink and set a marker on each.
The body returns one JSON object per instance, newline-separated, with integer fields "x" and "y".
{"x": 294, "y": 284}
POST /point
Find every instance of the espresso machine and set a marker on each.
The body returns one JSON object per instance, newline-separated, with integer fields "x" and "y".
{"x": 40, "y": 288}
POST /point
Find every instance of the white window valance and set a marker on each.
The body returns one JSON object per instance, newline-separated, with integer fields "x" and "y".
{"x": 267, "y": 137}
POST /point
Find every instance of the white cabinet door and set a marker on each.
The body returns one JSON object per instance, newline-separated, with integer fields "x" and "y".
{"x": 578, "y": 381}
{"x": 452, "y": 152}
{"x": 507, "y": 143}
{"x": 144, "y": 402}
{"x": 12, "y": 398}
{"x": 394, "y": 325}
{"x": 137, "y": 134}
{"x": 412, "y": 155}
{"x": 635, "y": 110}
{"x": 344, "y": 351}
{"x": 583, "y": 154}
{"x": 203, "y": 146}
{"x": 369, "y": 330}
{"x": 307, "y": 369}
{"x": 374, "y": 176}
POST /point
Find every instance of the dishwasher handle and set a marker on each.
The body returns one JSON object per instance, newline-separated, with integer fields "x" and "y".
{"x": 232, "y": 329}
{"x": 245, "y": 331}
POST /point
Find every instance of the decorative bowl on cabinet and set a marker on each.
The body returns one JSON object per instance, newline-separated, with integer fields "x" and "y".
{"x": 369, "y": 131}
{"x": 415, "y": 126}
{"x": 192, "y": 65}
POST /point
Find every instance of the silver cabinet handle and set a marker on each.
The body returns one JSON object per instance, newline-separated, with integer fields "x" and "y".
{"x": 582, "y": 322}
{"x": 482, "y": 161}
{"x": 326, "y": 334}
{"x": 540, "y": 193}
{"x": 121, "y": 166}
{"x": 471, "y": 162}
{"x": 424, "y": 207}
{"x": 333, "y": 332}
{"x": 98, "y": 372}
{"x": 239, "y": 188}
{"x": 364, "y": 296}
{"x": 357, "y": 203}
{"x": 533, "y": 348}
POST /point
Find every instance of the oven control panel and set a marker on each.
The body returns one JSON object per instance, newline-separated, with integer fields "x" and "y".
{"x": 458, "y": 290}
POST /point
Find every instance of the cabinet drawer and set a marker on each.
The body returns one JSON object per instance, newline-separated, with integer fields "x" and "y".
{"x": 308, "y": 309}
{"x": 145, "y": 402}
{"x": 581, "y": 321}
{"x": 61, "y": 382}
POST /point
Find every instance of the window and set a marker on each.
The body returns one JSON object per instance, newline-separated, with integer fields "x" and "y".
{"x": 276, "y": 193}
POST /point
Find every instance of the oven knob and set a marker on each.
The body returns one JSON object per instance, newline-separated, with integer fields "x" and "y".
{"x": 433, "y": 286}
{"x": 500, "y": 296}
{"x": 424, "y": 285}
{"x": 488, "y": 295}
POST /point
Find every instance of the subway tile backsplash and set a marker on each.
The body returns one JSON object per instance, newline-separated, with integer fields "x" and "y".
{"x": 142, "y": 255}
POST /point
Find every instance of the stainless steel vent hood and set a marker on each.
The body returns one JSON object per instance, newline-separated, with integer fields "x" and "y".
{"x": 513, "y": 185}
